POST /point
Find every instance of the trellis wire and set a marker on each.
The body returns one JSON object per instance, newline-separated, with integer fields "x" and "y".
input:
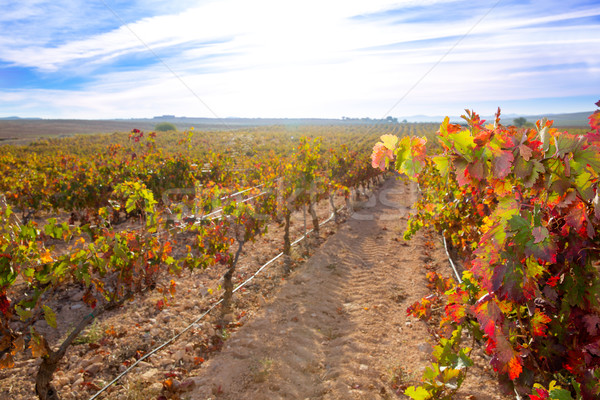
{"x": 195, "y": 322}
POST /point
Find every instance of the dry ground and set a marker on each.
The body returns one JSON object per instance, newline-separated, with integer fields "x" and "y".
{"x": 338, "y": 328}
{"x": 335, "y": 328}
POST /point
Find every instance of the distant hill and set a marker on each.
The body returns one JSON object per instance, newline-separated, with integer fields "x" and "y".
{"x": 22, "y": 130}
{"x": 578, "y": 119}
{"x": 14, "y": 117}
{"x": 15, "y": 130}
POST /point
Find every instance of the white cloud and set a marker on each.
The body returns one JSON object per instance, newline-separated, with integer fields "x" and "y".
{"x": 310, "y": 58}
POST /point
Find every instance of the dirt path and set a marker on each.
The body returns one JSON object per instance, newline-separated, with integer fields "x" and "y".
{"x": 337, "y": 328}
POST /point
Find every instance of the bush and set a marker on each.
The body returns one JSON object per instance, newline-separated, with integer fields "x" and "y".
{"x": 165, "y": 127}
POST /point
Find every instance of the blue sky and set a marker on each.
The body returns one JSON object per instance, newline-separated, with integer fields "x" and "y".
{"x": 279, "y": 58}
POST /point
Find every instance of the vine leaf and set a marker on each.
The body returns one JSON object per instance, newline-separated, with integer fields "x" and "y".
{"x": 515, "y": 367}
{"x": 595, "y": 119}
{"x": 539, "y": 323}
{"x": 525, "y": 152}
{"x": 507, "y": 360}
{"x": 503, "y": 163}
{"x": 592, "y": 324}
{"x": 7, "y": 361}
{"x": 49, "y": 316}
{"x": 539, "y": 234}
{"x": 442, "y": 164}
{"x": 488, "y": 314}
{"x": 418, "y": 393}
{"x": 389, "y": 141}
{"x": 37, "y": 345}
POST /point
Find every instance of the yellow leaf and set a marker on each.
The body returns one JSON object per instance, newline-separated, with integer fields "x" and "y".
{"x": 389, "y": 141}
{"x": 46, "y": 257}
{"x": 503, "y": 188}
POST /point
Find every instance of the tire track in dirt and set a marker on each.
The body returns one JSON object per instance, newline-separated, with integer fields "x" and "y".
{"x": 337, "y": 328}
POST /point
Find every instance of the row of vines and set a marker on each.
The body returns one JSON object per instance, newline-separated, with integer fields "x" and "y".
{"x": 521, "y": 209}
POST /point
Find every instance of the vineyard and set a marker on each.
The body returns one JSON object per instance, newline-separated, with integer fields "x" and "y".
{"x": 520, "y": 209}
{"x": 98, "y": 226}
{"x": 129, "y": 254}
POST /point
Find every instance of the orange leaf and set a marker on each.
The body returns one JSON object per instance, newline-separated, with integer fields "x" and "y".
{"x": 46, "y": 257}
{"x": 7, "y": 361}
{"x": 37, "y": 346}
{"x": 514, "y": 367}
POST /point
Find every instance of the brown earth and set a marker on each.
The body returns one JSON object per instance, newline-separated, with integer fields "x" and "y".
{"x": 335, "y": 328}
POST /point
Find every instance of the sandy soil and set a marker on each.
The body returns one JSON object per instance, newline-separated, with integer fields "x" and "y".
{"x": 338, "y": 328}
{"x": 335, "y": 328}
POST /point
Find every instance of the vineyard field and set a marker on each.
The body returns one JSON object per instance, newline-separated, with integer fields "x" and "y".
{"x": 106, "y": 238}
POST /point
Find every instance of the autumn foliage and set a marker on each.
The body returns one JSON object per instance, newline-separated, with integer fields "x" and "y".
{"x": 109, "y": 214}
{"x": 522, "y": 208}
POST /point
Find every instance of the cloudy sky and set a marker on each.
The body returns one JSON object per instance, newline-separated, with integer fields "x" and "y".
{"x": 308, "y": 58}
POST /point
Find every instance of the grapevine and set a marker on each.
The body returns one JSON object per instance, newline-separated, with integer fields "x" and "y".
{"x": 522, "y": 208}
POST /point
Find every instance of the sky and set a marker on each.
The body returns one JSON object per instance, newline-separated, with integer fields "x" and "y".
{"x": 102, "y": 59}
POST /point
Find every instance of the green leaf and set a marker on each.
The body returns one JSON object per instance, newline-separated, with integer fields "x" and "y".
{"x": 464, "y": 361}
{"x": 130, "y": 205}
{"x": 441, "y": 163}
{"x": 567, "y": 143}
{"x": 464, "y": 143}
{"x": 544, "y": 135}
{"x": 120, "y": 252}
{"x": 23, "y": 314}
{"x": 521, "y": 228}
{"x": 584, "y": 185}
{"x": 432, "y": 372}
{"x": 588, "y": 158}
{"x": 49, "y": 316}
{"x": 418, "y": 393}
{"x": 537, "y": 169}
{"x": 560, "y": 394}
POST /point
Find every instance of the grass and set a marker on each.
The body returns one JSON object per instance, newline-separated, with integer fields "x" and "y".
{"x": 400, "y": 378}
{"x": 260, "y": 369}
{"x": 138, "y": 390}
{"x": 92, "y": 334}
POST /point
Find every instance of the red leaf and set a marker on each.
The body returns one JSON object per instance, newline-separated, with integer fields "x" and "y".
{"x": 489, "y": 315}
{"x": 553, "y": 281}
{"x": 4, "y": 304}
{"x": 482, "y": 137}
{"x": 542, "y": 394}
{"x": 539, "y": 323}
{"x": 476, "y": 170}
{"x": 503, "y": 163}
{"x": 576, "y": 216}
{"x": 539, "y": 234}
{"x": 592, "y": 323}
{"x": 595, "y": 120}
